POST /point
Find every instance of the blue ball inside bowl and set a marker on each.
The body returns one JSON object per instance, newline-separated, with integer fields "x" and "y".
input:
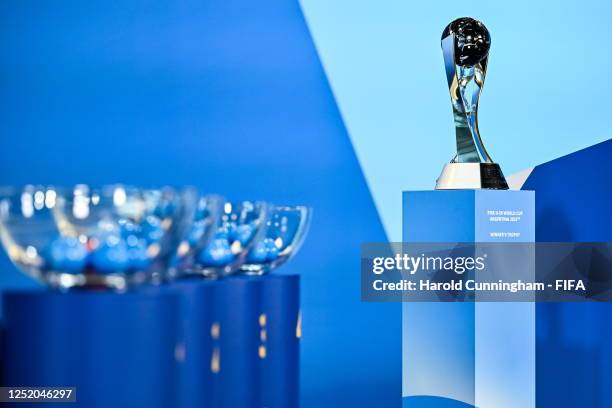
{"x": 111, "y": 255}
{"x": 152, "y": 229}
{"x": 217, "y": 253}
{"x": 66, "y": 254}
{"x": 138, "y": 254}
{"x": 258, "y": 253}
{"x": 271, "y": 249}
{"x": 242, "y": 233}
{"x": 283, "y": 234}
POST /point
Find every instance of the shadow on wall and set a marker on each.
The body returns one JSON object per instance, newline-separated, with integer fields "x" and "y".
{"x": 574, "y": 340}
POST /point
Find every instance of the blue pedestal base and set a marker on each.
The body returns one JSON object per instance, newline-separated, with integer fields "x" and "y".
{"x": 193, "y": 344}
{"x": 117, "y": 350}
{"x": 469, "y": 354}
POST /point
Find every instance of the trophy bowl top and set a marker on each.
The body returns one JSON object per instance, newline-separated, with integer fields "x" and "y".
{"x": 472, "y": 40}
{"x": 112, "y": 237}
{"x": 283, "y": 236}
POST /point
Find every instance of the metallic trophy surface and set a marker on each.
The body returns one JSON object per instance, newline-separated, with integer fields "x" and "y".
{"x": 465, "y": 45}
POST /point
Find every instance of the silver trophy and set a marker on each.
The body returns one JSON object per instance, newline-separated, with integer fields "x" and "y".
{"x": 465, "y": 45}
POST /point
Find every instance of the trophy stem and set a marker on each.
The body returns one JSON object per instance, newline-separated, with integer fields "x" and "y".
{"x": 481, "y": 151}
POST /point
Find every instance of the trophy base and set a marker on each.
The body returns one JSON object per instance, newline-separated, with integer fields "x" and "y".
{"x": 471, "y": 176}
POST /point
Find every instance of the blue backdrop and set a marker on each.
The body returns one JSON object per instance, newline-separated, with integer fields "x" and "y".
{"x": 227, "y": 96}
{"x": 574, "y": 340}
